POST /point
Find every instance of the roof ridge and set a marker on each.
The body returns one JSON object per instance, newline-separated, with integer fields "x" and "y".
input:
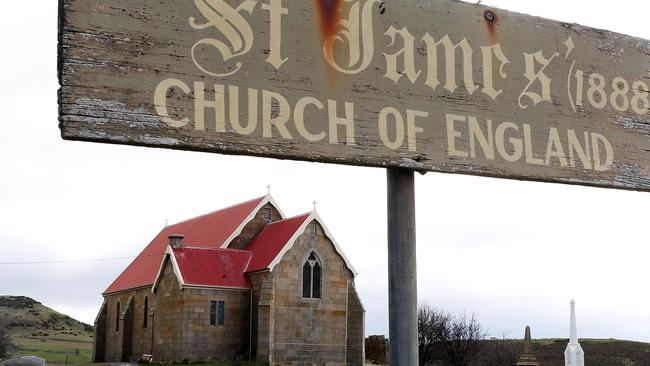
{"x": 216, "y": 249}
{"x": 289, "y": 218}
{"x": 218, "y": 210}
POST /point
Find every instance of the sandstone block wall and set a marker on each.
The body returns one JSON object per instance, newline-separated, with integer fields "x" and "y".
{"x": 131, "y": 325}
{"x": 202, "y": 341}
{"x": 126, "y": 330}
{"x": 180, "y": 324}
{"x": 262, "y": 290}
{"x": 311, "y": 331}
{"x": 355, "y": 355}
{"x": 167, "y": 321}
{"x": 134, "y": 339}
{"x": 99, "y": 338}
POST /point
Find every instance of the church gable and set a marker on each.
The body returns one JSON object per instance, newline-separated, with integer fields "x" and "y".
{"x": 312, "y": 226}
{"x": 169, "y": 274}
{"x": 266, "y": 214}
{"x": 312, "y": 287}
{"x": 312, "y": 269}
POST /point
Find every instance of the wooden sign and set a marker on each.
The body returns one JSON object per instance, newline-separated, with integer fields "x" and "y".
{"x": 433, "y": 86}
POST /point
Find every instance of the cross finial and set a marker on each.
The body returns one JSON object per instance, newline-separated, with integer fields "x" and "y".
{"x": 315, "y": 203}
{"x": 165, "y": 222}
{"x": 268, "y": 189}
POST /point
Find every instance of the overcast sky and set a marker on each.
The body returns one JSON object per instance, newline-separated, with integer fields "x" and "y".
{"x": 515, "y": 253}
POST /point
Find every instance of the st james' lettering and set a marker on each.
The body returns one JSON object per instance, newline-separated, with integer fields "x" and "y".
{"x": 228, "y": 35}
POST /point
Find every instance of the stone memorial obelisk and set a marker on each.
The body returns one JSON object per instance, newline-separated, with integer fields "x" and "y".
{"x": 527, "y": 358}
{"x": 574, "y": 355}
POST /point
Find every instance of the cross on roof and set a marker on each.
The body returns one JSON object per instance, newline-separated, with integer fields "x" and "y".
{"x": 268, "y": 188}
{"x": 315, "y": 203}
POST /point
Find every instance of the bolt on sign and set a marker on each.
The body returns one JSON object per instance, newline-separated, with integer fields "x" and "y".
{"x": 437, "y": 86}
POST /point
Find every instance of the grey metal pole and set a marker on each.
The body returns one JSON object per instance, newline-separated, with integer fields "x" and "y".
{"x": 402, "y": 271}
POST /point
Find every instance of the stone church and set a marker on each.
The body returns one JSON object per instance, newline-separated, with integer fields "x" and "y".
{"x": 243, "y": 282}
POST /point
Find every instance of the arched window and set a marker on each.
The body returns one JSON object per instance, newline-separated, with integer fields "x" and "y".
{"x": 117, "y": 317}
{"x": 145, "y": 310}
{"x": 311, "y": 277}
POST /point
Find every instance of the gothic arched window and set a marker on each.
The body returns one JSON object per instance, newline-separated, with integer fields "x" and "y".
{"x": 311, "y": 277}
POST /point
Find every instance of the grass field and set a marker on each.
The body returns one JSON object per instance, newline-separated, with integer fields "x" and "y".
{"x": 56, "y": 349}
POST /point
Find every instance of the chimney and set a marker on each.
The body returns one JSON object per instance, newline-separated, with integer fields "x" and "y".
{"x": 176, "y": 240}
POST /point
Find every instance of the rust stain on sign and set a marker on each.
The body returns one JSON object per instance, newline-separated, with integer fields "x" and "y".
{"x": 329, "y": 13}
{"x": 491, "y": 21}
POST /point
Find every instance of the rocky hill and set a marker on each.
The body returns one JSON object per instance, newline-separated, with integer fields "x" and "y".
{"x": 35, "y": 329}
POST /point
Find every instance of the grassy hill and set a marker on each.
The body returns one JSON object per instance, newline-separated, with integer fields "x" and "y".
{"x": 35, "y": 329}
{"x": 550, "y": 352}
{"x": 605, "y": 352}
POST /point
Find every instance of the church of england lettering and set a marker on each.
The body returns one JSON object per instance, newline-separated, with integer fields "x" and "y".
{"x": 243, "y": 282}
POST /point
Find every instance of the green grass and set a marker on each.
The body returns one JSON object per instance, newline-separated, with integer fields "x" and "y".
{"x": 56, "y": 356}
{"x": 55, "y": 348}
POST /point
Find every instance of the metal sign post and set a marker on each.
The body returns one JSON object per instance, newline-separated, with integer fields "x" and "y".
{"x": 402, "y": 268}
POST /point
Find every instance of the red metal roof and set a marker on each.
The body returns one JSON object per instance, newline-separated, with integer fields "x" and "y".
{"x": 208, "y": 231}
{"x": 266, "y": 245}
{"x": 213, "y": 267}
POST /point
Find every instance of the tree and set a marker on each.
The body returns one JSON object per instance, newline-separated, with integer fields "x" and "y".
{"x": 498, "y": 353}
{"x": 461, "y": 337}
{"x": 430, "y": 321}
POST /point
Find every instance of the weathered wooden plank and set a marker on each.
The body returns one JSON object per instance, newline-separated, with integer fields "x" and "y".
{"x": 361, "y": 82}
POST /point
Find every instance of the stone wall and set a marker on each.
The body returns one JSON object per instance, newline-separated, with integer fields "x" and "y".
{"x": 311, "y": 331}
{"x": 180, "y": 323}
{"x": 202, "y": 341}
{"x": 99, "y": 338}
{"x": 130, "y": 327}
{"x": 167, "y": 321}
{"x": 254, "y": 226}
{"x": 262, "y": 290}
{"x": 355, "y": 355}
{"x": 126, "y": 330}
